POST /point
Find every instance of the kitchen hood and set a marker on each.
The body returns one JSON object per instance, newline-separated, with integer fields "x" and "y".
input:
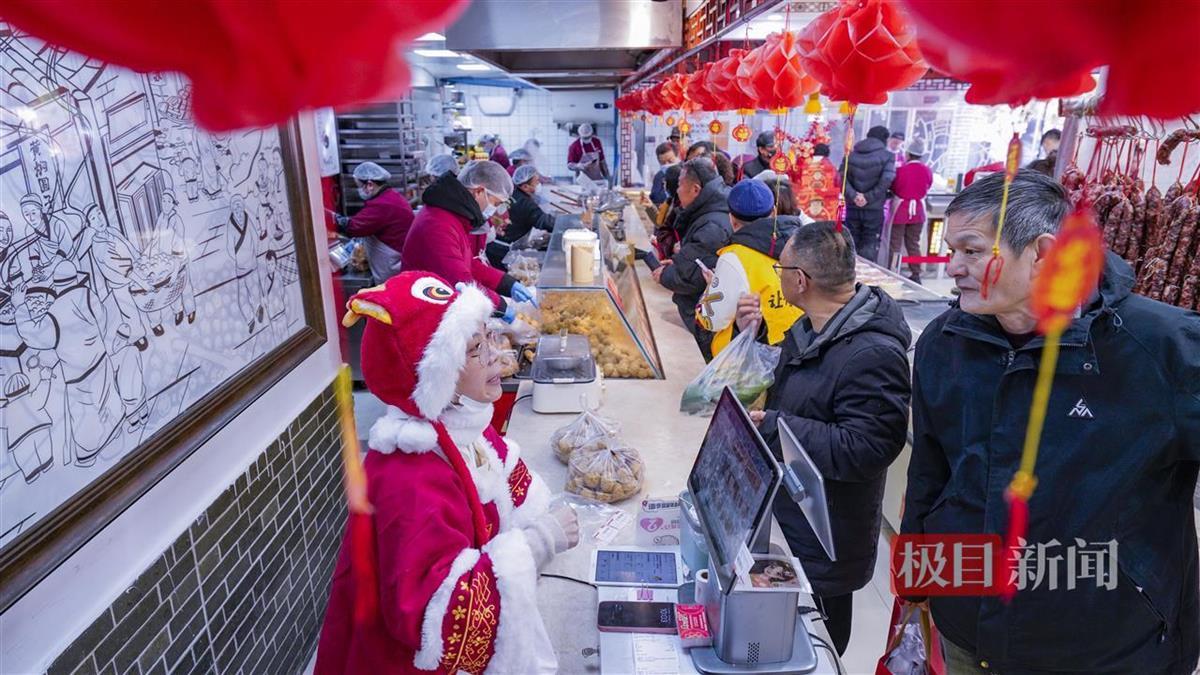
{"x": 567, "y": 43}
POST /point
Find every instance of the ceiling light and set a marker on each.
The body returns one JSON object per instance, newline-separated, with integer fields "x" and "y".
{"x": 474, "y": 66}
{"x": 430, "y": 37}
{"x": 436, "y": 53}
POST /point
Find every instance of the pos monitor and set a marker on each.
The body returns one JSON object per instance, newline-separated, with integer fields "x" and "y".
{"x": 733, "y": 483}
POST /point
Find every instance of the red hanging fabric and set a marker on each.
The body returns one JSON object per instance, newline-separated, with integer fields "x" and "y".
{"x": 250, "y": 63}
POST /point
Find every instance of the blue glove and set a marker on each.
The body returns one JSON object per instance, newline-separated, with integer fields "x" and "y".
{"x": 510, "y": 314}
{"x": 521, "y": 293}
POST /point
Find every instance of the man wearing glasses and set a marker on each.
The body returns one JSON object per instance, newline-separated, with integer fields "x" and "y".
{"x": 842, "y": 386}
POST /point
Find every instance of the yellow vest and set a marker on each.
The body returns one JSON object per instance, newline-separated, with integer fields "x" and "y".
{"x": 777, "y": 312}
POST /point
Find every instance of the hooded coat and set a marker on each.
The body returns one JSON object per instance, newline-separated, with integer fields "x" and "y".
{"x": 703, "y": 230}
{"x": 441, "y": 240}
{"x": 870, "y": 173}
{"x": 1120, "y": 451}
{"x": 844, "y": 393}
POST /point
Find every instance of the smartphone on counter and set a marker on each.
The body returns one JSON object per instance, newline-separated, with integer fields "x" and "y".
{"x": 636, "y": 617}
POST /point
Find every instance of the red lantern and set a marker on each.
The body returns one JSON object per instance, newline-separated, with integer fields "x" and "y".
{"x": 992, "y": 83}
{"x": 275, "y": 57}
{"x": 861, "y": 50}
{"x": 750, "y": 64}
{"x": 697, "y": 89}
{"x": 656, "y": 104}
{"x": 780, "y": 163}
{"x": 672, "y": 93}
{"x": 722, "y": 82}
{"x": 715, "y": 127}
{"x": 741, "y": 133}
{"x": 685, "y": 127}
{"x": 670, "y": 120}
{"x": 777, "y": 78}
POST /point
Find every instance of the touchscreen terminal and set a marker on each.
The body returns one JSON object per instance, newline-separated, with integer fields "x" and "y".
{"x": 732, "y": 482}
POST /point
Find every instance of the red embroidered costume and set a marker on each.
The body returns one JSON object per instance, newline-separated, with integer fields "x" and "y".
{"x": 459, "y": 519}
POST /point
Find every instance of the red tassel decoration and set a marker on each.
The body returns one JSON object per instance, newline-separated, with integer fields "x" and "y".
{"x": 1018, "y": 494}
{"x": 362, "y": 566}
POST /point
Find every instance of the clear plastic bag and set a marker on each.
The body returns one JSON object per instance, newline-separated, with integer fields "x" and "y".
{"x": 598, "y": 522}
{"x": 746, "y": 366}
{"x": 589, "y": 430}
{"x": 607, "y": 474}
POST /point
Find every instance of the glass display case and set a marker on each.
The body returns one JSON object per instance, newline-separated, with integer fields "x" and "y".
{"x": 609, "y": 310}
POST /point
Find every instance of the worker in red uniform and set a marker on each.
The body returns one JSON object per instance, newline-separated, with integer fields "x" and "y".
{"x": 383, "y": 221}
{"x": 449, "y": 234}
{"x": 586, "y": 155}
{"x": 495, "y": 151}
{"x": 912, "y": 184}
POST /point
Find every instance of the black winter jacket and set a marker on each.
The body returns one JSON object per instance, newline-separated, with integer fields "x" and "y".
{"x": 871, "y": 172}
{"x": 703, "y": 229}
{"x": 754, "y": 167}
{"x": 1118, "y": 462}
{"x": 523, "y": 216}
{"x": 844, "y": 393}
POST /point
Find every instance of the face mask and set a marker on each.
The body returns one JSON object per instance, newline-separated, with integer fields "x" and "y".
{"x": 364, "y": 193}
{"x": 470, "y": 405}
{"x": 489, "y": 211}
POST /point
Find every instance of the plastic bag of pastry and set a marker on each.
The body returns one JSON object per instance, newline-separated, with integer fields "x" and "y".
{"x": 589, "y": 430}
{"x": 746, "y": 366}
{"x": 607, "y": 474}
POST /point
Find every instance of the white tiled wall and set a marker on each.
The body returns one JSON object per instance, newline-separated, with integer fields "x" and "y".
{"x": 531, "y": 118}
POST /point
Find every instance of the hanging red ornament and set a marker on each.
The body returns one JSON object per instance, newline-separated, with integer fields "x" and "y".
{"x": 715, "y": 127}
{"x": 672, "y": 93}
{"x": 685, "y": 127}
{"x": 776, "y": 77}
{"x": 780, "y": 163}
{"x": 780, "y": 135}
{"x": 722, "y": 82}
{"x": 861, "y": 50}
{"x": 670, "y": 120}
{"x": 257, "y": 77}
{"x": 697, "y": 89}
{"x": 750, "y": 64}
{"x": 741, "y": 133}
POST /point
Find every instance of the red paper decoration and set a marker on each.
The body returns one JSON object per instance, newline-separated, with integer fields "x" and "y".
{"x": 780, "y": 163}
{"x": 861, "y": 50}
{"x": 741, "y": 133}
{"x": 723, "y": 83}
{"x": 251, "y": 64}
{"x": 672, "y": 93}
{"x": 750, "y": 64}
{"x": 670, "y": 120}
{"x": 697, "y": 89}
{"x": 685, "y": 127}
{"x": 1150, "y": 48}
{"x": 715, "y": 127}
{"x": 776, "y": 77}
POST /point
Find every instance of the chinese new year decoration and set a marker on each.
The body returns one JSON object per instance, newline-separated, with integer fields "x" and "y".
{"x": 685, "y": 127}
{"x": 995, "y": 265}
{"x": 361, "y": 528}
{"x": 861, "y": 50}
{"x": 670, "y": 120}
{"x": 776, "y": 76}
{"x": 715, "y": 127}
{"x": 991, "y": 44}
{"x": 697, "y": 89}
{"x": 723, "y": 83}
{"x": 1069, "y": 275}
{"x": 250, "y": 64}
{"x": 780, "y": 163}
{"x": 741, "y": 133}
{"x": 672, "y": 93}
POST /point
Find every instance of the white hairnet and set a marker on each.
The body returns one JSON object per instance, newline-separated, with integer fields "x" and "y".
{"x": 521, "y": 155}
{"x": 585, "y": 129}
{"x": 524, "y": 174}
{"x": 371, "y": 171}
{"x": 487, "y": 138}
{"x": 488, "y": 174}
{"x": 439, "y": 165}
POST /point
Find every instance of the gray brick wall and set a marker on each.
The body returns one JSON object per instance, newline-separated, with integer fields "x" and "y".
{"x": 243, "y": 590}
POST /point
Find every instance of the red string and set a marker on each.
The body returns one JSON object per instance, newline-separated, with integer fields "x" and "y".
{"x": 1183, "y": 161}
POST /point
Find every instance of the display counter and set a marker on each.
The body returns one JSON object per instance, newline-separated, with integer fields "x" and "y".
{"x": 668, "y": 442}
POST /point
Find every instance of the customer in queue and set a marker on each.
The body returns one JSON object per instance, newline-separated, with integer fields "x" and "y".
{"x": 383, "y": 222}
{"x": 524, "y": 215}
{"x": 701, "y": 149}
{"x": 703, "y": 227}
{"x": 460, "y": 527}
{"x": 842, "y": 387}
{"x": 759, "y": 235}
{"x": 872, "y": 167}
{"x": 764, "y": 147}
{"x": 667, "y": 157}
{"x": 1120, "y": 451}
{"x": 451, "y": 230}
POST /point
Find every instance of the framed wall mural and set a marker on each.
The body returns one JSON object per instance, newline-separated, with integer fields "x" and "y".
{"x": 154, "y": 280}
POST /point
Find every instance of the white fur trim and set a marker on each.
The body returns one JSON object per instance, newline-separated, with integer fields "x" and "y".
{"x": 444, "y": 356}
{"x": 537, "y": 502}
{"x": 397, "y": 430}
{"x": 537, "y": 499}
{"x": 516, "y": 644}
{"x": 430, "y": 654}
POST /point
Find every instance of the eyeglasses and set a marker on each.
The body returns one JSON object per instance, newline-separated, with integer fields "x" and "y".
{"x": 486, "y": 350}
{"x": 780, "y": 268}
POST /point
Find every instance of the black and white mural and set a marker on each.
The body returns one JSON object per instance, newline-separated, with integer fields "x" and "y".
{"x": 143, "y": 262}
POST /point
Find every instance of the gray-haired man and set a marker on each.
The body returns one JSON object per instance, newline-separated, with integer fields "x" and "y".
{"x": 1111, "y": 522}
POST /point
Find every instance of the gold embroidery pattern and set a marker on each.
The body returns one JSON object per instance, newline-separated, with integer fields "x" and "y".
{"x": 518, "y": 482}
{"x": 475, "y": 617}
